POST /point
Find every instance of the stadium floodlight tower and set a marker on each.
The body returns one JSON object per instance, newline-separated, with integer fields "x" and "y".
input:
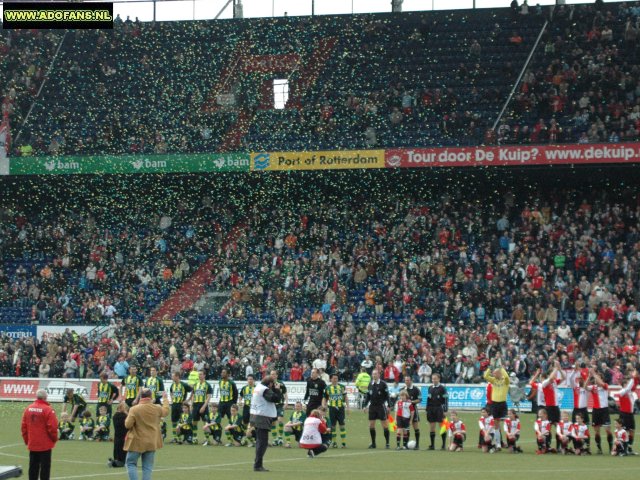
{"x": 238, "y": 9}
{"x": 396, "y": 6}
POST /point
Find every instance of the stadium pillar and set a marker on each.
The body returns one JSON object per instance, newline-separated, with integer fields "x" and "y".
{"x": 313, "y": 7}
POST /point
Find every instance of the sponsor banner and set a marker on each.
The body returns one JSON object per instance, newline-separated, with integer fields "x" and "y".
{"x": 18, "y": 331}
{"x": 461, "y": 397}
{"x": 43, "y": 331}
{"x": 513, "y": 155}
{"x": 331, "y": 160}
{"x": 130, "y": 164}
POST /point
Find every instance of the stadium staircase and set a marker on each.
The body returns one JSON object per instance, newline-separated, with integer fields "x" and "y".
{"x": 194, "y": 287}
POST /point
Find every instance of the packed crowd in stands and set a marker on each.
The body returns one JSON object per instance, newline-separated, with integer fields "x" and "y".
{"x": 416, "y": 79}
{"x": 422, "y": 282}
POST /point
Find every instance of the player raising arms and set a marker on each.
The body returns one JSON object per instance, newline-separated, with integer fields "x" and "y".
{"x": 580, "y": 436}
{"x": 336, "y": 399}
{"x": 542, "y": 428}
{"x": 500, "y": 382}
{"x": 404, "y": 418}
{"x": 627, "y": 403}
{"x": 564, "y": 431}
{"x": 580, "y": 396}
{"x": 415, "y": 395}
{"x": 294, "y": 425}
{"x": 600, "y": 394}
{"x": 487, "y": 431}
{"x": 512, "y": 431}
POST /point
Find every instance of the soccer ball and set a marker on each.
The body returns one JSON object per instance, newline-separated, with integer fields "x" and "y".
{"x": 411, "y": 444}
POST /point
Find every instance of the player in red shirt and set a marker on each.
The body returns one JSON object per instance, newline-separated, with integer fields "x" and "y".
{"x": 542, "y": 428}
{"x": 457, "y": 433}
{"x": 581, "y": 437}
{"x": 564, "y": 430}
{"x": 512, "y": 430}
{"x": 580, "y": 396}
{"x": 626, "y": 407}
{"x": 487, "y": 429}
{"x": 621, "y": 442}
{"x": 548, "y": 390}
{"x": 600, "y": 394}
{"x": 405, "y": 410}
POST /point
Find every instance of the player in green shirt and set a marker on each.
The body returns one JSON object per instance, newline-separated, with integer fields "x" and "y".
{"x": 245, "y": 396}
{"x": 185, "y": 426}
{"x": 277, "y": 435}
{"x": 65, "y": 427}
{"x": 228, "y": 394}
{"x": 156, "y": 386}
{"x": 336, "y": 399}
{"x": 294, "y": 425}
{"x": 86, "y": 426}
{"x": 235, "y": 430}
{"x": 103, "y": 423}
{"x": 178, "y": 391}
{"x": 213, "y": 426}
{"x": 200, "y": 397}
{"x": 78, "y": 404}
{"x": 131, "y": 386}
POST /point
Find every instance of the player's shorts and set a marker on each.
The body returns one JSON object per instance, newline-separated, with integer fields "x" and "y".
{"x": 553, "y": 413}
{"x": 224, "y": 409}
{"x": 578, "y": 443}
{"x": 176, "y": 411}
{"x": 378, "y": 412}
{"x": 458, "y": 439}
{"x": 403, "y": 422}
{"x": 237, "y": 436}
{"x": 297, "y": 434}
{"x": 246, "y": 414}
{"x": 80, "y": 411}
{"x": 499, "y": 410}
{"x": 336, "y": 415}
{"x": 129, "y": 402}
{"x": 628, "y": 421}
{"x": 582, "y": 411}
{"x": 416, "y": 415}
{"x": 195, "y": 412}
{"x": 280, "y": 410}
{"x": 435, "y": 414}
{"x": 601, "y": 417}
{"x": 312, "y": 406}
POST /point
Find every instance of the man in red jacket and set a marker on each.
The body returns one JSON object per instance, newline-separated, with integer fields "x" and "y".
{"x": 40, "y": 434}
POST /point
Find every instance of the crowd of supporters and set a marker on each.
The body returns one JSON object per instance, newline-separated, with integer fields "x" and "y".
{"x": 435, "y": 83}
{"x": 425, "y": 282}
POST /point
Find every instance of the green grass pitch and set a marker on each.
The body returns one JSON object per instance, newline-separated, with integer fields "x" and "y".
{"x": 87, "y": 460}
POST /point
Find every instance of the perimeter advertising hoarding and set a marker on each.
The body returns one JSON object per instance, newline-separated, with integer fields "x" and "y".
{"x": 514, "y": 156}
{"x": 461, "y": 397}
{"x": 130, "y": 164}
{"x": 325, "y": 160}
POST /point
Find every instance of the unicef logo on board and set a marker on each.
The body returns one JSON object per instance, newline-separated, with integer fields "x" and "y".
{"x": 476, "y": 394}
{"x": 394, "y": 161}
{"x": 261, "y": 161}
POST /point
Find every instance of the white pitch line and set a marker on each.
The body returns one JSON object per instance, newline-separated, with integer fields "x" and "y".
{"x": 11, "y": 446}
{"x": 57, "y": 460}
{"x": 203, "y": 467}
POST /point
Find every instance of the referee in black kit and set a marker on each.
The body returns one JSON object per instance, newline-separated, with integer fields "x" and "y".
{"x": 437, "y": 404}
{"x": 377, "y": 399}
